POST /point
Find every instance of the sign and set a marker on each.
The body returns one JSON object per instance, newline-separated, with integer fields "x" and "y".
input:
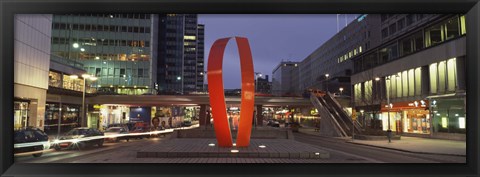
{"x": 416, "y": 104}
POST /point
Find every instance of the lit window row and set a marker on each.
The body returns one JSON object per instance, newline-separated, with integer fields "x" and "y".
{"x": 189, "y": 37}
{"x": 350, "y": 54}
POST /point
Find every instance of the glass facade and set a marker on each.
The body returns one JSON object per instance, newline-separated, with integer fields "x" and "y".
{"x": 116, "y": 48}
{"x": 20, "y": 114}
{"x": 68, "y": 115}
{"x": 449, "y": 115}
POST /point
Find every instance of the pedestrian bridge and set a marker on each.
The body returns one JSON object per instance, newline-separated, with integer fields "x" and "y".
{"x": 191, "y": 100}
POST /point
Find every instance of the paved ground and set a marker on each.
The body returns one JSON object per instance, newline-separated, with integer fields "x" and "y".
{"x": 258, "y": 148}
{"x": 410, "y": 144}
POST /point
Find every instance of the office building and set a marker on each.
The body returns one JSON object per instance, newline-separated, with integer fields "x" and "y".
{"x": 283, "y": 83}
{"x": 414, "y": 82}
{"x": 31, "y": 66}
{"x": 181, "y": 54}
{"x": 329, "y": 67}
{"x": 119, "y": 49}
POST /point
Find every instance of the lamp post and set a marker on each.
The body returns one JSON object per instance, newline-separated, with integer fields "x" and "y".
{"x": 389, "y": 131}
{"x": 203, "y": 73}
{"x": 257, "y": 74}
{"x": 326, "y": 80}
{"x": 84, "y": 77}
{"x": 341, "y": 90}
{"x": 363, "y": 117}
{"x": 178, "y": 79}
{"x": 376, "y": 88}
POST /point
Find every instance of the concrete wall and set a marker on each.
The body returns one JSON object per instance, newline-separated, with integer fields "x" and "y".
{"x": 32, "y": 41}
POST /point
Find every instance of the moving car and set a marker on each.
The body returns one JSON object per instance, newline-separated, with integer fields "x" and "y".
{"x": 111, "y": 134}
{"x": 29, "y": 140}
{"x": 141, "y": 129}
{"x": 79, "y": 138}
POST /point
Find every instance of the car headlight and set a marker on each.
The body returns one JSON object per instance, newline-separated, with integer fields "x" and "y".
{"x": 56, "y": 141}
{"x": 75, "y": 141}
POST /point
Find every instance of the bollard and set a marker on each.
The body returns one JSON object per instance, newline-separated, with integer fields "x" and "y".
{"x": 389, "y": 135}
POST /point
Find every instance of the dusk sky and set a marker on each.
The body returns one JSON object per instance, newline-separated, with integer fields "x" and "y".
{"x": 272, "y": 38}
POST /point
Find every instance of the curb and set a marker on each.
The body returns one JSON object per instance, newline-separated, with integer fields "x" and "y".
{"x": 430, "y": 153}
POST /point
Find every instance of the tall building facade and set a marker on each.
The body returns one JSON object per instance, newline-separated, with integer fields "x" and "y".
{"x": 181, "y": 60}
{"x": 330, "y": 65}
{"x": 119, "y": 49}
{"x": 414, "y": 82}
{"x": 283, "y": 82}
{"x": 32, "y": 41}
{"x": 263, "y": 85}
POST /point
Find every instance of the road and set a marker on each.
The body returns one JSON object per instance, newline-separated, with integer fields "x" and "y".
{"x": 374, "y": 154}
{"x": 340, "y": 152}
{"x": 67, "y": 156}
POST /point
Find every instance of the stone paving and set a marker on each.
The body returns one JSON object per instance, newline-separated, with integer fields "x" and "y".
{"x": 198, "y": 147}
{"x": 410, "y": 144}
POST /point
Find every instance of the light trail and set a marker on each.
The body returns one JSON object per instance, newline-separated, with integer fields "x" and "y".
{"x": 48, "y": 144}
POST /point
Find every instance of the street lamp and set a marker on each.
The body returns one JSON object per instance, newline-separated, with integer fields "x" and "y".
{"x": 84, "y": 77}
{"x": 341, "y": 90}
{"x": 326, "y": 80}
{"x": 203, "y": 84}
{"x": 389, "y": 131}
{"x": 178, "y": 79}
{"x": 376, "y": 87}
{"x": 257, "y": 74}
{"x": 363, "y": 117}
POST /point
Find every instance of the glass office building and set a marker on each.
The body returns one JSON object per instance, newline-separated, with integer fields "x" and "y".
{"x": 119, "y": 49}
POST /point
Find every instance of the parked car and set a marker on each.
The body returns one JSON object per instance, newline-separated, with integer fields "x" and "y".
{"x": 273, "y": 123}
{"x": 186, "y": 123}
{"x": 79, "y": 138}
{"x": 140, "y": 129}
{"x": 294, "y": 126}
{"x": 31, "y": 135}
{"x": 112, "y": 132}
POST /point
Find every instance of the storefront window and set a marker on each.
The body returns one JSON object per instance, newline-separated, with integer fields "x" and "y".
{"x": 449, "y": 116}
{"x": 69, "y": 117}
{"x": 72, "y": 84}
{"x": 54, "y": 79}
{"x": 20, "y": 114}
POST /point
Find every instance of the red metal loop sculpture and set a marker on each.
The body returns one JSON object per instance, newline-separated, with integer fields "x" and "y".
{"x": 217, "y": 97}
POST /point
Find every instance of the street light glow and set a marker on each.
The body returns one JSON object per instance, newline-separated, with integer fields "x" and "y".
{"x": 341, "y": 89}
{"x": 178, "y": 78}
{"x": 326, "y": 75}
{"x": 82, "y": 49}
{"x": 93, "y": 78}
{"x": 377, "y": 79}
{"x": 86, "y": 76}
{"x": 75, "y": 45}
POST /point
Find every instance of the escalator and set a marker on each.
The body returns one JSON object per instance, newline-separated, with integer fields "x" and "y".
{"x": 336, "y": 121}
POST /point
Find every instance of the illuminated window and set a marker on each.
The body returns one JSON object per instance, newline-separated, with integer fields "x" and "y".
{"x": 433, "y": 78}
{"x": 393, "y": 87}
{"x": 404, "y": 83}
{"x": 350, "y": 54}
{"x": 462, "y": 25}
{"x": 441, "y": 77}
{"x": 461, "y": 122}
{"x": 399, "y": 84}
{"x": 418, "y": 81}
{"x": 360, "y": 49}
{"x": 354, "y": 51}
{"x": 444, "y": 122}
{"x": 451, "y": 74}
{"x": 411, "y": 82}
{"x": 189, "y": 37}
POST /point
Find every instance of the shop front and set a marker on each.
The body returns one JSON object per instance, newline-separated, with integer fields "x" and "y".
{"x": 111, "y": 114}
{"x": 65, "y": 115}
{"x": 20, "y": 113}
{"x": 407, "y": 117}
{"x": 449, "y": 115}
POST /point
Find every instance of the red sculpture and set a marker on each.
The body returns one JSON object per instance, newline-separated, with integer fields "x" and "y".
{"x": 217, "y": 97}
